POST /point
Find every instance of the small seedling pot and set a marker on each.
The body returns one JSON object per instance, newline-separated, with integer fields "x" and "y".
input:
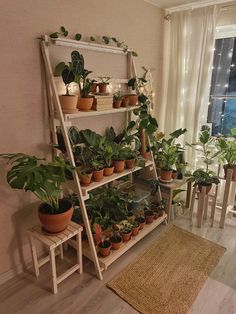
{"x": 98, "y": 175}
{"x": 117, "y": 104}
{"x": 141, "y": 221}
{"x": 119, "y": 166}
{"x": 108, "y": 171}
{"x": 103, "y": 88}
{"x": 130, "y": 100}
{"x": 126, "y": 236}
{"x": 135, "y": 230}
{"x": 104, "y": 248}
{"x": 116, "y": 242}
{"x": 129, "y": 163}
{"x": 85, "y": 104}
{"x": 149, "y": 216}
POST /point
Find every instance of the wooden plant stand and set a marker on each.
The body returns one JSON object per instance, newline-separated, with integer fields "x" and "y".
{"x": 52, "y": 242}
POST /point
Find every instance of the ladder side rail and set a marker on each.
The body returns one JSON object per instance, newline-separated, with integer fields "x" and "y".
{"x": 45, "y": 52}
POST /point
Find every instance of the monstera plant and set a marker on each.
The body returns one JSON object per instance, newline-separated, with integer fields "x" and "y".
{"x": 44, "y": 180}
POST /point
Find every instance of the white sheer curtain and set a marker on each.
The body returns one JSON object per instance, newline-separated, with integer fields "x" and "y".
{"x": 188, "y": 66}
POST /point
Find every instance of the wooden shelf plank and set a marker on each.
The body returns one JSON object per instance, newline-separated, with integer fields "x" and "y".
{"x": 92, "y": 113}
{"x": 87, "y": 45}
{"x": 105, "y": 180}
{"x": 105, "y": 262}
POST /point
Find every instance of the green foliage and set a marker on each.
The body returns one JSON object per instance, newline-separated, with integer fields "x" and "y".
{"x": 227, "y": 149}
{"x": 62, "y": 32}
{"x": 30, "y": 173}
{"x": 117, "y": 96}
{"x": 78, "y": 36}
{"x": 168, "y": 155}
{"x": 203, "y": 177}
{"x": 92, "y": 38}
{"x": 104, "y": 79}
{"x": 136, "y": 83}
{"x": 106, "y": 39}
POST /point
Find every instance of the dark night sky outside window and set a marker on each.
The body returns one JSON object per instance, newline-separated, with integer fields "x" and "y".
{"x": 222, "y": 102}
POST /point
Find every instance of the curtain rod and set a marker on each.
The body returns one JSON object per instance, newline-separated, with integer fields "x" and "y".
{"x": 195, "y": 5}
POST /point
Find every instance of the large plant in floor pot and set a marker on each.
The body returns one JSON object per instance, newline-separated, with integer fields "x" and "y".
{"x": 33, "y": 174}
{"x": 205, "y": 178}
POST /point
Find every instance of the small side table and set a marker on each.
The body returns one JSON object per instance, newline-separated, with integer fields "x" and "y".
{"x": 52, "y": 242}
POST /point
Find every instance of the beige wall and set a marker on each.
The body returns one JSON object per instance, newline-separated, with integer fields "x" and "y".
{"x": 227, "y": 14}
{"x": 23, "y": 119}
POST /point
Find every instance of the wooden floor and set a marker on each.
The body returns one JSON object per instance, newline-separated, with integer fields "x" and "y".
{"x": 86, "y": 294}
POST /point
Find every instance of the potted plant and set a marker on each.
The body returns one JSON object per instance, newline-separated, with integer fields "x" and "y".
{"x": 85, "y": 101}
{"x": 84, "y": 160}
{"x": 205, "y": 177}
{"x": 102, "y": 85}
{"x": 126, "y": 233}
{"x": 135, "y": 84}
{"x": 98, "y": 169}
{"x": 104, "y": 248}
{"x": 107, "y": 156}
{"x": 120, "y": 154}
{"x": 116, "y": 240}
{"x": 149, "y": 216}
{"x": 135, "y": 227}
{"x": 68, "y": 102}
{"x": 141, "y": 221}
{"x": 227, "y": 152}
{"x": 94, "y": 87}
{"x": 117, "y": 99}
{"x": 168, "y": 156}
{"x": 97, "y": 233}
{"x": 44, "y": 180}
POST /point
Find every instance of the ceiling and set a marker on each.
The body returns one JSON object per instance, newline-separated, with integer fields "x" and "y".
{"x": 171, "y": 3}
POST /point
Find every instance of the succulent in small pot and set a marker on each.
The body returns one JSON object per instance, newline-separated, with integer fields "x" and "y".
{"x": 102, "y": 85}
{"x": 135, "y": 228}
{"x": 149, "y": 216}
{"x": 33, "y": 174}
{"x": 141, "y": 221}
{"x": 116, "y": 241}
{"x": 104, "y": 248}
{"x": 126, "y": 234}
{"x": 117, "y": 99}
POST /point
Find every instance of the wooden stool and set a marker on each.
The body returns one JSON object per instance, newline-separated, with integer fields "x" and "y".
{"x": 230, "y": 187}
{"x": 202, "y": 208}
{"x": 52, "y": 242}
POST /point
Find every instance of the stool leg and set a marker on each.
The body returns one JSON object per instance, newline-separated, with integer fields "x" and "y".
{"x": 192, "y": 203}
{"x": 213, "y": 206}
{"x": 79, "y": 253}
{"x": 34, "y": 256}
{"x": 201, "y": 200}
{"x": 54, "y": 272}
{"x": 205, "y": 207}
{"x": 61, "y": 251}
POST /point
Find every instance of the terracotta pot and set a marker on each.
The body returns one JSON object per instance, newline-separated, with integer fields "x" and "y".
{"x": 208, "y": 187}
{"x": 85, "y": 104}
{"x": 141, "y": 221}
{"x": 94, "y": 88}
{"x": 108, "y": 171}
{"x": 226, "y": 167}
{"x": 146, "y": 155}
{"x": 126, "y": 236}
{"x": 130, "y": 100}
{"x": 149, "y": 216}
{"x": 117, "y": 103}
{"x": 85, "y": 179}
{"x": 97, "y": 238}
{"x": 119, "y": 166}
{"x": 104, "y": 251}
{"x": 98, "y": 175}
{"x": 135, "y": 230}
{"x": 114, "y": 244}
{"x": 55, "y": 223}
{"x": 130, "y": 217}
{"x": 156, "y": 215}
{"x": 130, "y": 163}
{"x": 103, "y": 88}
{"x": 166, "y": 175}
{"x": 107, "y": 232}
{"x": 174, "y": 174}
{"x": 68, "y": 103}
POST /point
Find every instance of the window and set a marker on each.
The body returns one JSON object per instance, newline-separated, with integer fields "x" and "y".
{"x": 222, "y": 102}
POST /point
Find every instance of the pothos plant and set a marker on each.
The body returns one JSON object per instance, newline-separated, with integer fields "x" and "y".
{"x": 227, "y": 149}
{"x": 136, "y": 83}
{"x": 62, "y": 32}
